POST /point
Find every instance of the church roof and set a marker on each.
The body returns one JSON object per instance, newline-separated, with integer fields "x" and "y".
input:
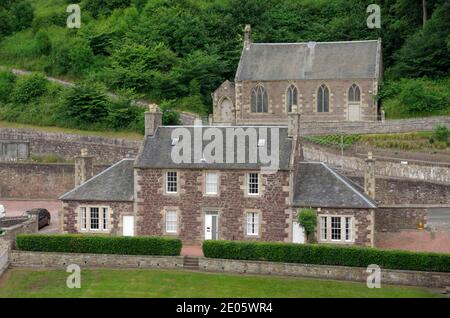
{"x": 297, "y": 61}
{"x": 317, "y": 185}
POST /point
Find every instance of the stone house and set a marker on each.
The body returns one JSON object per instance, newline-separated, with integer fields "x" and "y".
{"x": 231, "y": 192}
{"x": 326, "y": 81}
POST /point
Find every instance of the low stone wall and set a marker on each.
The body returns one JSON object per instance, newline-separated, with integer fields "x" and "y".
{"x": 61, "y": 260}
{"x": 68, "y": 146}
{"x": 396, "y": 277}
{"x": 37, "y": 180}
{"x": 373, "y": 127}
{"x": 388, "y": 168}
{"x": 27, "y": 226}
{"x": 4, "y": 257}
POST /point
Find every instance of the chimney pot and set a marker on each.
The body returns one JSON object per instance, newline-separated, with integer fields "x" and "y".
{"x": 84, "y": 167}
{"x": 247, "y": 36}
{"x": 369, "y": 176}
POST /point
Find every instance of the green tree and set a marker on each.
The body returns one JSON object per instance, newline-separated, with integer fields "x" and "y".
{"x": 23, "y": 13}
{"x": 425, "y": 53}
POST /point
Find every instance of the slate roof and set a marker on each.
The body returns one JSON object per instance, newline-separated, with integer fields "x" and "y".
{"x": 317, "y": 185}
{"x": 116, "y": 183}
{"x": 293, "y": 61}
{"x": 157, "y": 149}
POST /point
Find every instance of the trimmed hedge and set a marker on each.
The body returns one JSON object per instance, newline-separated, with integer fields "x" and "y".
{"x": 99, "y": 244}
{"x": 327, "y": 255}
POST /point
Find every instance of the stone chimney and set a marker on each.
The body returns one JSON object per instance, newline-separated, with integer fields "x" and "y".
{"x": 153, "y": 119}
{"x": 294, "y": 122}
{"x": 84, "y": 167}
{"x": 369, "y": 176}
{"x": 247, "y": 36}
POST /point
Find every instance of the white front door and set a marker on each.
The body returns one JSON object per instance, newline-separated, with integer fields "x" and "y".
{"x": 128, "y": 225}
{"x": 354, "y": 111}
{"x": 298, "y": 233}
{"x": 211, "y": 226}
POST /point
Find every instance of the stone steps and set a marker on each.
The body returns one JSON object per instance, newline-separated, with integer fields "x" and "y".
{"x": 190, "y": 263}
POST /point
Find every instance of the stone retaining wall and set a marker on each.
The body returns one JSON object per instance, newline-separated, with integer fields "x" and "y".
{"x": 37, "y": 180}
{"x": 61, "y": 260}
{"x": 4, "y": 256}
{"x": 396, "y": 277}
{"x": 373, "y": 127}
{"x": 29, "y": 225}
{"x": 388, "y": 168}
{"x": 68, "y": 146}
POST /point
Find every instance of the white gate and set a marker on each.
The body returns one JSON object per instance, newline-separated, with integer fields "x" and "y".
{"x": 298, "y": 233}
{"x": 128, "y": 225}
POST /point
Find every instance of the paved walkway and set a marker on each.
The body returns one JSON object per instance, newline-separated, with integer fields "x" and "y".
{"x": 191, "y": 250}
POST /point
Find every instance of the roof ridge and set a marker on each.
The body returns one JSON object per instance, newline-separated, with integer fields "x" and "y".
{"x": 304, "y": 43}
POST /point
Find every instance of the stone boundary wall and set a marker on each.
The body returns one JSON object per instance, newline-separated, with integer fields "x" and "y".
{"x": 395, "y": 277}
{"x": 4, "y": 256}
{"x": 61, "y": 260}
{"x": 37, "y": 180}
{"x": 68, "y": 146}
{"x": 373, "y": 127}
{"x": 388, "y": 168}
{"x": 29, "y": 226}
{"x": 401, "y": 192}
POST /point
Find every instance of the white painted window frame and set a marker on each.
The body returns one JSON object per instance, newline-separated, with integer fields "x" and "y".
{"x": 252, "y": 223}
{"x": 258, "y": 184}
{"x": 171, "y": 224}
{"x": 171, "y": 182}
{"x": 85, "y": 219}
{"x": 209, "y": 182}
{"x": 343, "y": 230}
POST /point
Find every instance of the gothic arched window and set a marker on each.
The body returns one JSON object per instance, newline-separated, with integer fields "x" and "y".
{"x": 323, "y": 99}
{"x": 259, "y": 100}
{"x": 354, "y": 94}
{"x": 291, "y": 98}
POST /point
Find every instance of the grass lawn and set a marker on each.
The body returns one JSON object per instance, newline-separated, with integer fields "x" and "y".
{"x": 165, "y": 283}
{"x": 108, "y": 134}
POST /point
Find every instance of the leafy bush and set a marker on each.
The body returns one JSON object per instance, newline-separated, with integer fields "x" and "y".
{"x": 7, "y": 80}
{"x": 327, "y": 255}
{"x": 71, "y": 56}
{"x": 85, "y": 103}
{"x": 29, "y": 87}
{"x": 99, "y": 244}
{"x": 43, "y": 43}
{"x": 441, "y": 133}
{"x": 308, "y": 219}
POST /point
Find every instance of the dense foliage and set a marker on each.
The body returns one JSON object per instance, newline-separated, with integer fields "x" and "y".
{"x": 32, "y": 99}
{"x": 178, "y": 52}
{"x": 99, "y": 244}
{"x": 327, "y": 255}
{"x": 307, "y": 218}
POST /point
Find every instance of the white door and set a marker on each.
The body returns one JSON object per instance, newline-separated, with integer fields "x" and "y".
{"x": 298, "y": 233}
{"x": 211, "y": 226}
{"x": 354, "y": 111}
{"x": 128, "y": 225}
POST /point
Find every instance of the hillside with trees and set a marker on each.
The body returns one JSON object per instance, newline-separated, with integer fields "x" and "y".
{"x": 176, "y": 52}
